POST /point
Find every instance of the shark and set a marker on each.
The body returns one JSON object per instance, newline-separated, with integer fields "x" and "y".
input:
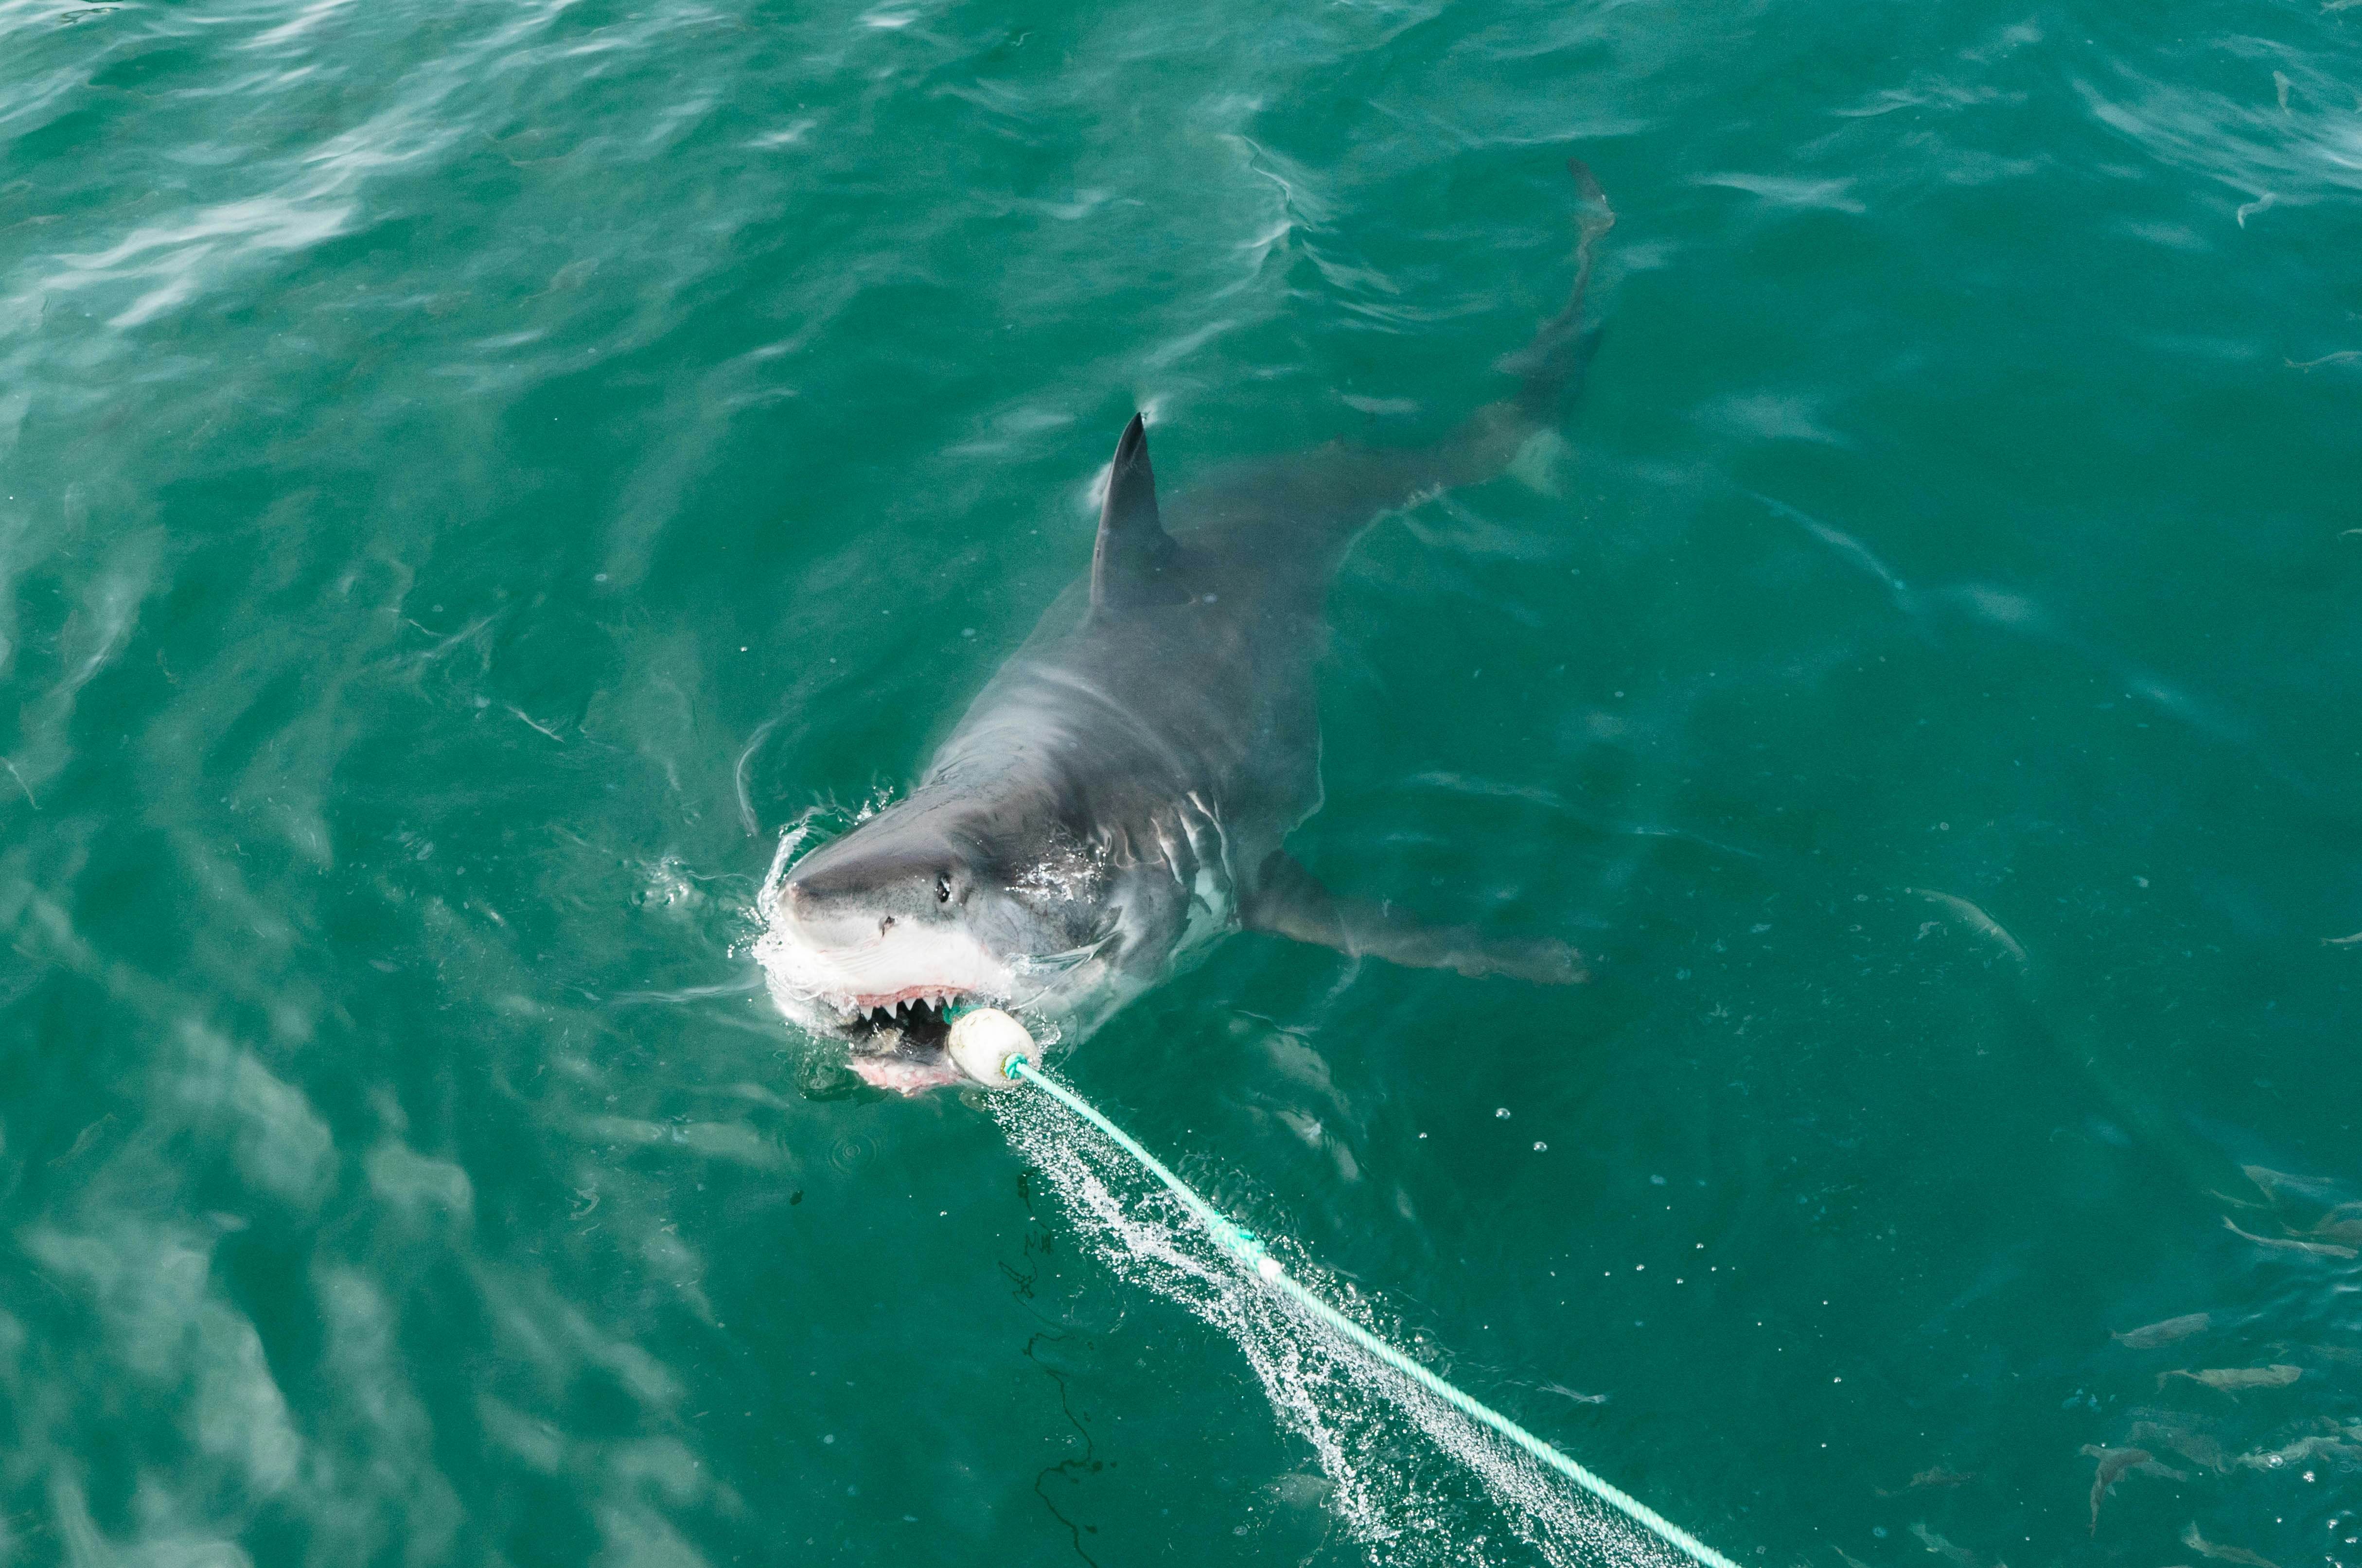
{"x": 1117, "y": 797}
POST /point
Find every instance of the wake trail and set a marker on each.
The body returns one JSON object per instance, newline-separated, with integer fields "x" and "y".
{"x": 1375, "y": 1434}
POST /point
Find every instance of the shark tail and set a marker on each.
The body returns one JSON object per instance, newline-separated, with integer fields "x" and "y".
{"x": 1334, "y": 491}
{"x": 1550, "y": 367}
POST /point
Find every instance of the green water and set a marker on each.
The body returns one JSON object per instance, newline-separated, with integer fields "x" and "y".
{"x": 474, "y": 474}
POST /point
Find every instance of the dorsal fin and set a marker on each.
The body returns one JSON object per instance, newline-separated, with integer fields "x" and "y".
{"x": 1129, "y": 562}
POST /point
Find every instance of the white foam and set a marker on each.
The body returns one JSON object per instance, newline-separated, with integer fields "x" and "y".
{"x": 1355, "y": 1415}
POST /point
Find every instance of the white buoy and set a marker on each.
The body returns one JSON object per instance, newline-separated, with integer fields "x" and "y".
{"x": 984, "y": 1041}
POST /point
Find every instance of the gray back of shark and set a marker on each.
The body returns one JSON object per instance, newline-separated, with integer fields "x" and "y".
{"x": 1117, "y": 795}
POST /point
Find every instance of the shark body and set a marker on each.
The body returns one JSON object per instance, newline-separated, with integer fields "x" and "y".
{"x": 1117, "y": 797}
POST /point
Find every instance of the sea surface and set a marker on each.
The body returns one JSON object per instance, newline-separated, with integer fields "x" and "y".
{"x": 472, "y": 477}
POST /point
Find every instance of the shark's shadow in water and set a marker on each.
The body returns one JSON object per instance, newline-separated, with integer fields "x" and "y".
{"x": 1117, "y": 795}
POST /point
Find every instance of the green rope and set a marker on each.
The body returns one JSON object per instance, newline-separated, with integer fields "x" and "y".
{"x": 1242, "y": 1245}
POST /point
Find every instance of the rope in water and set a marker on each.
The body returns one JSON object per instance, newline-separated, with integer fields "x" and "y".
{"x": 1242, "y": 1245}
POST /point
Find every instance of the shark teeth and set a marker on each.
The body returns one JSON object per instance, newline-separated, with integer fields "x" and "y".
{"x": 856, "y": 1010}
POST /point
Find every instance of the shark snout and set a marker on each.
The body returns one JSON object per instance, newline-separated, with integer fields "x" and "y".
{"x": 860, "y": 932}
{"x": 883, "y": 936}
{"x": 817, "y": 909}
{"x": 827, "y": 917}
{"x": 879, "y": 868}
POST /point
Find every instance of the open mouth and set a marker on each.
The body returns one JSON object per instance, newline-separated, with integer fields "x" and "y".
{"x": 900, "y": 1042}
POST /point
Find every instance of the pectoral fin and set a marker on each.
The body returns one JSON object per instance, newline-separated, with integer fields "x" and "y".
{"x": 1290, "y": 902}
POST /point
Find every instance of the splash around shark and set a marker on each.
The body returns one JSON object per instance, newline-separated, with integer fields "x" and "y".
{"x": 1117, "y": 798}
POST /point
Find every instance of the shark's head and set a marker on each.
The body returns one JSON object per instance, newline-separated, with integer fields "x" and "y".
{"x": 931, "y": 906}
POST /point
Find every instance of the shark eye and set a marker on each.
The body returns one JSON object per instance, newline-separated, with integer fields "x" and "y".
{"x": 943, "y": 888}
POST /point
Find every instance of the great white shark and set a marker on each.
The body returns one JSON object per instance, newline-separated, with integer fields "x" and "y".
{"x": 1117, "y": 796}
